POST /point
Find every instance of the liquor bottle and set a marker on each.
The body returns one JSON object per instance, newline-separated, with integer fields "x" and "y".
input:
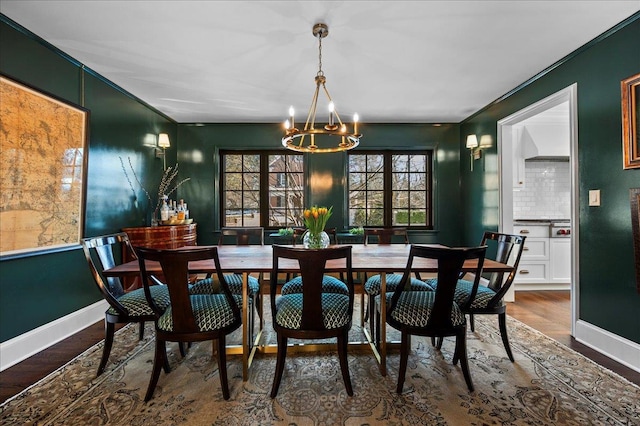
{"x": 164, "y": 210}
{"x": 180, "y": 210}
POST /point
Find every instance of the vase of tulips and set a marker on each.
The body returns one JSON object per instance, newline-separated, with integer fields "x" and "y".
{"x": 315, "y": 219}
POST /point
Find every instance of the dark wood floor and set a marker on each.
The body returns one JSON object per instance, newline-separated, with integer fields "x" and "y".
{"x": 546, "y": 311}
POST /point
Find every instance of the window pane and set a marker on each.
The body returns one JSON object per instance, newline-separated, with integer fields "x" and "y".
{"x": 233, "y": 181}
{"x": 375, "y": 217}
{"x": 417, "y": 181}
{"x": 400, "y": 181}
{"x": 357, "y": 163}
{"x": 251, "y": 181}
{"x": 251, "y": 163}
{"x": 399, "y": 163}
{"x": 233, "y": 200}
{"x": 375, "y": 199}
{"x": 233, "y": 163}
{"x": 400, "y": 217}
{"x": 400, "y": 199}
{"x": 418, "y": 199}
{"x": 418, "y": 163}
{"x": 375, "y": 181}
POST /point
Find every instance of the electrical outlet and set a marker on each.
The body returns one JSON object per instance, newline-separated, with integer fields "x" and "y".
{"x": 594, "y": 197}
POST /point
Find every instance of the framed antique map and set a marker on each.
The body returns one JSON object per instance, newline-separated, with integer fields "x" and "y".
{"x": 42, "y": 170}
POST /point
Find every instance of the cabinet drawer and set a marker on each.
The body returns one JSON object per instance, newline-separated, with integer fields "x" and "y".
{"x": 536, "y": 249}
{"x": 532, "y": 273}
{"x": 532, "y": 231}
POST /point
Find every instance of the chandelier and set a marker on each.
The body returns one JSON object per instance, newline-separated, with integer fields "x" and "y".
{"x": 307, "y": 139}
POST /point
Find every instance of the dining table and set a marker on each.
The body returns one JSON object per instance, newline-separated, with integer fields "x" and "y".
{"x": 370, "y": 258}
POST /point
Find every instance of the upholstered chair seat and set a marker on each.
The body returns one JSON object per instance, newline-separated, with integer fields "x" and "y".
{"x": 135, "y": 302}
{"x": 415, "y": 308}
{"x": 329, "y": 285}
{"x": 211, "y": 312}
{"x": 335, "y": 311}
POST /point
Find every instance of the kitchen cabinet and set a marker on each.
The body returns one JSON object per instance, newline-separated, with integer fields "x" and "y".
{"x": 546, "y": 262}
{"x": 518, "y": 161}
{"x": 560, "y": 260}
{"x": 534, "y": 263}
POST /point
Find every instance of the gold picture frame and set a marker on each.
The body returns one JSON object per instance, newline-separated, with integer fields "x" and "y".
{"x": 43, "y": 163}
{"x": 630, "y": 88}
{"x": 634, "y": 199}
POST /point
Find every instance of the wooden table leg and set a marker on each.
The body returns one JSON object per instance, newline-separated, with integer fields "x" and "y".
{"x": 245, "y": 326}
{"x": 383, "y": 323}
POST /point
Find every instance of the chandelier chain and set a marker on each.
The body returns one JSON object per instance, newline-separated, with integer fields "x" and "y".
{"x": 320, "y": 72}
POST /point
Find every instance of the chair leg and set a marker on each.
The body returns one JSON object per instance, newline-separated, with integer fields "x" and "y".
{"x": 344, "y": 366}
{"x": 502, "y": 321}
{"x": 182, "y": 349}
{"x": 472, "y": 323}
{"x": 405, "y": 343}
{"x": 222, "y": 367}
{"x": 109, "y": 331}
{"x": 439, "y": 341}
{"x": 159, "y": 359}
{"x": 141, "y": 331}
{"x": 282, "y": 354}
{"x": 461, "y": 354}
{"x": 375, "y": 330}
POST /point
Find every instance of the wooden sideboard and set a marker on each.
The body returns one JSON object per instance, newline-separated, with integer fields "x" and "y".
{"x": 159, "y": 237}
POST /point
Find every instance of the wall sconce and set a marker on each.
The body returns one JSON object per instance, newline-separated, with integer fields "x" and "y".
{"x": 163, "y": 142}
{"x": 472, "y": 144}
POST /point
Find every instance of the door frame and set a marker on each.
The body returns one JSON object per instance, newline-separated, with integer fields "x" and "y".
{"x": 505, "y": 152}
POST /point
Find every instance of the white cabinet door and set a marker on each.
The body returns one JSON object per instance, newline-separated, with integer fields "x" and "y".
{"x": 560, "y": 260}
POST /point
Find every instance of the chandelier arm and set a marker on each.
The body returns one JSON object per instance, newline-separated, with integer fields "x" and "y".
{"x": 335, "y": 110}
{"x": 311, "y": 117}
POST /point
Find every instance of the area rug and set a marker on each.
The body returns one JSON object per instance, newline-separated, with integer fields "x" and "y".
{"x": 548, "y": 384}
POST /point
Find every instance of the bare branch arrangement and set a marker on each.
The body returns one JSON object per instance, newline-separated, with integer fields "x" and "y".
{"x": 164, "y": 189}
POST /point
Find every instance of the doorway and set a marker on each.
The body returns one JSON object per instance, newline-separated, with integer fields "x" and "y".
{"x": 507, "y": 151}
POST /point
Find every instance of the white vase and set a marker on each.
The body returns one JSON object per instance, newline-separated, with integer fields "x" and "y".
{"x": 315, "y": 241}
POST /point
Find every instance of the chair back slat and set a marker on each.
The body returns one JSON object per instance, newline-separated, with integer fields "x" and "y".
{"x": 508, "y": 251}
{"x": 242, "y": 236}
{"x": 101, "y": 253}
{"x": 385, "y": 235}
{"x": 175, "y": 269}
{"x": 312, "y": 263}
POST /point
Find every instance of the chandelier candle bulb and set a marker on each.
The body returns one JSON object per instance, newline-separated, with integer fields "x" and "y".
{"x": 355, "y": 123}
{"x": 291, "y": 114}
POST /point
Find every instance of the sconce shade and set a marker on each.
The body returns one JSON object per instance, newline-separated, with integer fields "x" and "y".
{"x": 472, "y": 141}
{"x": 163, "y": 140}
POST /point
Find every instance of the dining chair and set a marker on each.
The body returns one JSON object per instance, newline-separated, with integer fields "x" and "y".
{"x": 189, "y": 317}
{"x": 101, "y": 253}
{"x": 240, "y": 237}
{"x": 316, "y": 312}
{"x": 476, "y": 299}
{"x": 373, "y": 284}
{"x": 432, "y": 313}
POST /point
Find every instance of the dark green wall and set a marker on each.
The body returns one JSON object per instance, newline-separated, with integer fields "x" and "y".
{"x": 200, "y": 145}
{"x": 38, "y": 289}
{"x": 606, "y": 287}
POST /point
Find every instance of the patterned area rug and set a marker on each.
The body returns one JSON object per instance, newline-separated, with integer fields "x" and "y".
{"x": 549, "y": 384}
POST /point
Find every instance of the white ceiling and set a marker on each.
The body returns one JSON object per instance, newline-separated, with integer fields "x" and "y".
{"x": 247, "y": 61}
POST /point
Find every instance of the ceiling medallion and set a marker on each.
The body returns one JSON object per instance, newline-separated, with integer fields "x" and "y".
{"x": 310, "y": 138}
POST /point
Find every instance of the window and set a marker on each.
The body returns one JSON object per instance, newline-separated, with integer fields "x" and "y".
{"x": 390, "y": 188}
{"x": 262, "y": 189}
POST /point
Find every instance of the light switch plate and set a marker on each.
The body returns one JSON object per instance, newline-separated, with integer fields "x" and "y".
{"x": 594, "y": 197}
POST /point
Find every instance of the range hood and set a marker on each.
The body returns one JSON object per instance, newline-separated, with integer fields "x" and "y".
{"x": 545, "y": 142}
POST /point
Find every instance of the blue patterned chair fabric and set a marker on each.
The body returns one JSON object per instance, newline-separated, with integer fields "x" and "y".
{"x": 329, "y": 285}
{"x": 234, "y": 281}
{"x": 136, "y": 304}
{"x": 374, "y": 283}
{"x": 335, "y": 310}
{"x": 211, "y": 312}
{"x": 463, "y": 291}
{"x": 415, "y": 308}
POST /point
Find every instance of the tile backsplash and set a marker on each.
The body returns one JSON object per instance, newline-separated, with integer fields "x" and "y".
{"x": 546, "y": 193}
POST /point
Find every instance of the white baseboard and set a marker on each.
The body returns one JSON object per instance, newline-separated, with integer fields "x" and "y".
{"x": 30, "y": 343}
{"x": 615, "y": 347}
